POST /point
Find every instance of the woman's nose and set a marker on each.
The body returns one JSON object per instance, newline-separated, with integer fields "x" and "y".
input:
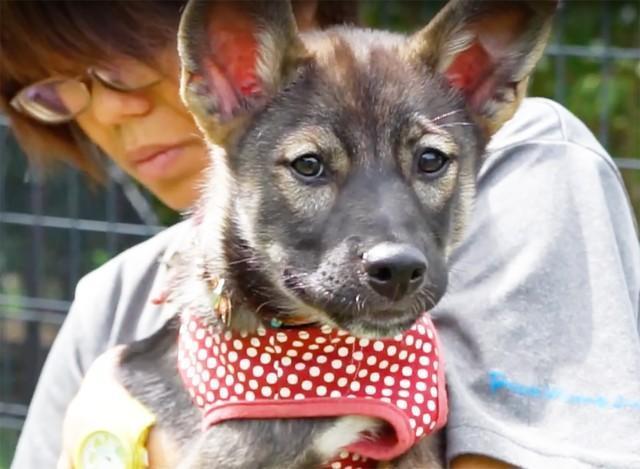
{"x": 114, "y": 107}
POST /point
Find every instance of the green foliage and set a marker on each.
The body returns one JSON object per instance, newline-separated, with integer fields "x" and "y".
{"x": 99, "y": 256}
{"x": 8, "y": 440}
{"x": 165, "y": 215}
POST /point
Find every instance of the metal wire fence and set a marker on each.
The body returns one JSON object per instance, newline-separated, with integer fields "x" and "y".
{"x": 54, "y": 229}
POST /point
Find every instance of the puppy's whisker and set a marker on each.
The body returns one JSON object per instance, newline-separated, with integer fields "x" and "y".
{"x": 268, "y": 302}
{"x": 246, "y": 260}
{"x": 457, "y": 270}
{"x": 431, "y": 298}
{"x": 456, "y": 124}
{"x": 297, "y": 277}
{"x": 446, "y": 114}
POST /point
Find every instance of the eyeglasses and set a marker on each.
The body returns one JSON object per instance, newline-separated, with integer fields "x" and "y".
{"x": 58, "y": 100}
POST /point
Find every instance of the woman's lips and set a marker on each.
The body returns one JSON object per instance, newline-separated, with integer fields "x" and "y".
{"x": 156, "y": 161}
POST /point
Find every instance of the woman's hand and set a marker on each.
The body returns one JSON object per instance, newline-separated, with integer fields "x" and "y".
{"x": 474, "y": 461}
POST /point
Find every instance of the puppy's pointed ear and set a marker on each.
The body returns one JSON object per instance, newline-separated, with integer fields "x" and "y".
{"x": 234, "y": 56}
{"x": 486, "y": 49}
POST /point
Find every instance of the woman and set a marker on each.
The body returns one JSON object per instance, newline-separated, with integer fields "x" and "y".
{"x": 133, "y": 111}
{"x": 550, "y": 272}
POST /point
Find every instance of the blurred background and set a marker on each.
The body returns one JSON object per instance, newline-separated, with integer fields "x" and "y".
{"x": 55, "y": 227}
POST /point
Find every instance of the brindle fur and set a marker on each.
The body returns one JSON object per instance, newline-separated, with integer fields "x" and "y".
{"x": 366, "y": 101}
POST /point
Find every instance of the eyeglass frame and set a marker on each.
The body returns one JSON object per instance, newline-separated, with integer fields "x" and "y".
{"x": 17, "y": 104}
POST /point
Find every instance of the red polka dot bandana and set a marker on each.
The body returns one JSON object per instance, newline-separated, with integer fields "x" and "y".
{"x": 319, "y": 372}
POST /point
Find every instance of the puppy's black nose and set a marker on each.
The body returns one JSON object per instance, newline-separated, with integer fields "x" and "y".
{"x": 394, "y": 270}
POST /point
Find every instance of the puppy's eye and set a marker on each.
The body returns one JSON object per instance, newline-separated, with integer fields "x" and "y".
{"x": 309, "y": 166}
{"x": 431, "y": 160}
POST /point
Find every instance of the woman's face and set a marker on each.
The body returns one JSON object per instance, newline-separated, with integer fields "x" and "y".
{"x": 150, "y": 134}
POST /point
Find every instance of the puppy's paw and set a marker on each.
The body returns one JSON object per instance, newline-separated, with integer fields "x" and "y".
{"x": 346, "y": 431}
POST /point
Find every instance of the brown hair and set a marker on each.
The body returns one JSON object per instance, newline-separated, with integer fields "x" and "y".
{"x": 39, "y": 38}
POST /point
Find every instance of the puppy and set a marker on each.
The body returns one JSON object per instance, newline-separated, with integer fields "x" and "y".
{"x": 348, "y": 171}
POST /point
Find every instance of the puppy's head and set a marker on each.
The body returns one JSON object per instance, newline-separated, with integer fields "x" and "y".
{"x": 350, "y": 155}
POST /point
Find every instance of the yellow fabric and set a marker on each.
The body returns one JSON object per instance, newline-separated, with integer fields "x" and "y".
{"x": 103, "y": 411}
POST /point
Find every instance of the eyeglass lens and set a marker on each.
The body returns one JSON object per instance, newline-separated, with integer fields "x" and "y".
{"x": 55, "y": 99}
